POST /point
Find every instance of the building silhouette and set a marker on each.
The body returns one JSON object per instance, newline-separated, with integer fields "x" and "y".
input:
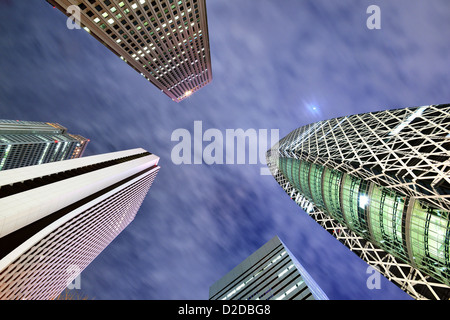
{"x": 380, "y": 183}
{"x": 56, "y": 218}
{"x": 165, "y": 41}
{"x": 270, "y": 273}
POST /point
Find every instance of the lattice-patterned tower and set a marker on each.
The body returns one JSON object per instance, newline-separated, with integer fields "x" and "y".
{"x": 166, "y": 41}
{"x": 380, "y": 183}
{"x": 270, "y": 273}
{"x": 56, "y": 218}
{"x": 27, "y": 143}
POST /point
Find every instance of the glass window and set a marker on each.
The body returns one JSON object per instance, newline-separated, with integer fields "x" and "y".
{"x": 304, "y": 178}
{"x": 295, "y": 175}
{"x": 386, "y": 213}
{"x": 315, "y": 183}
{"x": 350, "y": 199}
{"x": 289, "y": 169}
{"x": 429, "y": 231}
{"x": 331, "y": 188}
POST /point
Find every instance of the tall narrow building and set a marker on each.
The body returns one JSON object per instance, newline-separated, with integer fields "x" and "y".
{"x": 380, "y": 183}
{"x": 56, "y": 218}
{"x": 166, "y": 41}
{"x": 27, "y": 143}
{"x": 270, "y": 273}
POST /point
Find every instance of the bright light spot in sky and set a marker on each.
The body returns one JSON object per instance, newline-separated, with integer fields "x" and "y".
{"x": 311, "y": 106}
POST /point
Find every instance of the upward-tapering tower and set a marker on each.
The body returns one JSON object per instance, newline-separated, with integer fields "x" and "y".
{"x": 380, "y": 183}
{"x": 56, "y": 218}
{"x": 27, "y": 143}
{"x": 166, "y": 40}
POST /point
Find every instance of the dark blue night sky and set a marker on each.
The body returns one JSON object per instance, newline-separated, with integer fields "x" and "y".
{"x": 273, "y": 61}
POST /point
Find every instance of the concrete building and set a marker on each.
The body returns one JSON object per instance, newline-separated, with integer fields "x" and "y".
{"x": 270, "y": 273}
{"x": 27, "y": 143}
{"x": 56, "y": 218}
{"x": 165, "y": 41}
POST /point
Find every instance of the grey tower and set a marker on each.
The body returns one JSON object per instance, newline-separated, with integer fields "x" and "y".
{"x": 27, "y": 143}
{"x": 166, "y": 41}
{"x": 270, "y": 273}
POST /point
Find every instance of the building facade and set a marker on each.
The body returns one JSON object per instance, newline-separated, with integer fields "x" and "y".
{"x": 165, "y": 41}
{"x": 27, "y": 143}
{"x": 270, "y": 273}
{"x": 380, "y": 183}
{"x": 58, "y": 217}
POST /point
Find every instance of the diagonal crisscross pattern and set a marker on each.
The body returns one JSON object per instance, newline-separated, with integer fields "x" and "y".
{"x": 380, "y": 183}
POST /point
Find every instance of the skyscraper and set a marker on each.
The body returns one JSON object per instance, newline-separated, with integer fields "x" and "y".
{"x": 270, "y": 273}
{"x": 166, "y": 40}
{"x": 380, "y": 183}
{"x": 56, "y": 218}
{"x": 27, "y": 143}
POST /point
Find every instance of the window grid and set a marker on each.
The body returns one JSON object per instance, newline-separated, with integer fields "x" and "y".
{"x": 26, "y": 143}
{"x": 140, "y": 32}
{"x": 41, "y": 273}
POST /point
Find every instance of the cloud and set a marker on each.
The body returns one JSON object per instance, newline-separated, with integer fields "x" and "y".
{"x": 271, "y": 61}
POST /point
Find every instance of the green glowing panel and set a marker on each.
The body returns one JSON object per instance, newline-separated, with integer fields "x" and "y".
{"x": 350, "y": 195}
{"x": 282, "y": 165}
{"x": 289, "y": 167}
{"x": 295, "y": 174}
{"x": 315, "y": 183}
{"x": 288, "y": 170}
{"x": 331, "y": 188}
{"x": 429, "y": 240}
{"x": 386, "y": 212}
{"x": 304, "y": 179}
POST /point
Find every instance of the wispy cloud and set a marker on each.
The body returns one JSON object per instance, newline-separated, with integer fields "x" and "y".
{"x": 271, "y": 61}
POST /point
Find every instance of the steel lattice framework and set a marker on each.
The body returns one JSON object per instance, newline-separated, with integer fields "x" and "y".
{"x": 392, "y": 189}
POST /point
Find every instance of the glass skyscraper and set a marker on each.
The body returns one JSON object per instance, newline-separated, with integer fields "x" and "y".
{"x": 270, "y": 273}
{"x": 380, "y": 183}
{"x": 56, "y": 218}
{"x": 166, "y": 41}
{"x": 27, "y": 143}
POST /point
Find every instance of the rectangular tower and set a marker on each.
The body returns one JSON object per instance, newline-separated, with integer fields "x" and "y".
{"x": 166, "y": 40}
{"x": 270, "y": 273}
{"x": 56, "y": 218}
{"x": 27, "y": 143}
